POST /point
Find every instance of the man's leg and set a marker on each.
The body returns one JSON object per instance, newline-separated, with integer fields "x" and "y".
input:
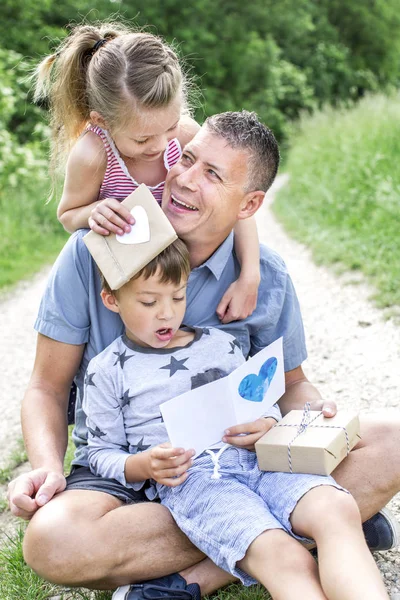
{"x": 90, "y": 538}
{"x": 371, "y": 472}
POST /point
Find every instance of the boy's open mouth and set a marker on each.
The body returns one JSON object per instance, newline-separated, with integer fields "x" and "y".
{"x": 165, "y": 333}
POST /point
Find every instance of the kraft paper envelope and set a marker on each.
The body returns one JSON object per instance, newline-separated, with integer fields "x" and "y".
{"x": 119, "y": 258}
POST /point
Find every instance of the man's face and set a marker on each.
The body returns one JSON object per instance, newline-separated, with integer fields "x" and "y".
{"x": 204, "y": 191}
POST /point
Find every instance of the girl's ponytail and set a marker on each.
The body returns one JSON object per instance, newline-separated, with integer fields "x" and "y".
{"x": 61, "y": 80}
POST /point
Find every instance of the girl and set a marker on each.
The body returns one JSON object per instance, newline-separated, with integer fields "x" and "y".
{"x": 118, "y": 105}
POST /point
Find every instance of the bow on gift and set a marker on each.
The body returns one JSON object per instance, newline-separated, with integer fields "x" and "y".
{"x": 305, "y": 423}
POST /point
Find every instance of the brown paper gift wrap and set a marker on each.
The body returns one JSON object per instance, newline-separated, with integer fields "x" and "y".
{"x": 120, "y": 262}
{"x": 318, "y": 449}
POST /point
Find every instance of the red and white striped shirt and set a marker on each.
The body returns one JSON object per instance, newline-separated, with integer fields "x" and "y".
{"x": 117, "y": 182}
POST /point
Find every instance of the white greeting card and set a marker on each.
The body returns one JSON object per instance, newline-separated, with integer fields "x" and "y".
{"x": 198, "y": 419}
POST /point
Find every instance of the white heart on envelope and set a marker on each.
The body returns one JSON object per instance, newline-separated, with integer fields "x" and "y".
{"x": 140, "y": 231}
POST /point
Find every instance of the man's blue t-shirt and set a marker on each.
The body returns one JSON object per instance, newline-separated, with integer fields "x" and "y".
{"x": 71, "y": 310}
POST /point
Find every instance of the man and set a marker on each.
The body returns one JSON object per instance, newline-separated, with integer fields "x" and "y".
{"x": 88, "y": 535}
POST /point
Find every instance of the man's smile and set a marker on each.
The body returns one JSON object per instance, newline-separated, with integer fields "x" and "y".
{"x": 181, "y": 204}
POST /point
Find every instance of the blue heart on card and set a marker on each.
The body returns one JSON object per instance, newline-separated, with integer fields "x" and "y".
{"x": 254, "y": 387}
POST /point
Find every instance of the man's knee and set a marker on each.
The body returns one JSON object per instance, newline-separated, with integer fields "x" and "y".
{"x": 380, "y": 439}
{"x": 57, "y": 539}
{"x": 92, "y": 540}
{"x": 45, "y": 539}
{"x": 380, "y": 428}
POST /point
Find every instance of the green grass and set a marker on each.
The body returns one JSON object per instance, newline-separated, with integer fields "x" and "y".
{"x": 3, "y": 504}
{"x": 16, "y": 458}
{"x": 69, "y": 454}
{"x": 30, "y": 235}
{"x": 343, "y": 196}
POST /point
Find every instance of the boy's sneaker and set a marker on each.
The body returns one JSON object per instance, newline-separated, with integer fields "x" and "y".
{"x": 382, "y": 531}
{"x": 171, "y": 587}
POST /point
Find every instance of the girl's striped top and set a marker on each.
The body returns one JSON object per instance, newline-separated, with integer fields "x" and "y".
{"x": 117, "y": 182}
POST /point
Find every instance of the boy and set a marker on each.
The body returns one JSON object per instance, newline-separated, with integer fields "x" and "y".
{"x": 241, "y": 519}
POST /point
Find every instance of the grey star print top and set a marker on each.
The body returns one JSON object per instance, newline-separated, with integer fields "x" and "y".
{"x": 126, "y": 383}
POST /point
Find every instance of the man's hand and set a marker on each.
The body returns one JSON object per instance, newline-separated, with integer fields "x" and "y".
{"x": 168, "y": 465}
{"x": 299, "y": 391}
{"x": 28, "y": 492}
{"x": 252, "y": 433}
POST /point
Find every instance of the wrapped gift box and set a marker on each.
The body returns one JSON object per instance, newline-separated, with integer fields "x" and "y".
{"x": 119, "y": 258}
{"x": 315, "y": 448}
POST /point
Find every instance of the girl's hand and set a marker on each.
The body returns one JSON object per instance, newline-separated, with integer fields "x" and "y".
{"x": 253, "y": 432}
{"x": 168, "y": 465}
{"x": 239, "y": 300}
{"x": 110, "y": 216}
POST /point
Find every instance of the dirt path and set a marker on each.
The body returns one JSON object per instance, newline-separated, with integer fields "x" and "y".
{"x": 18, "y": 311}
{"x": 354, "y": 353}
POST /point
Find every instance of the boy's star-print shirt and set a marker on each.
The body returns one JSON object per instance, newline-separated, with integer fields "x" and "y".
{"x": 126, "y": 383}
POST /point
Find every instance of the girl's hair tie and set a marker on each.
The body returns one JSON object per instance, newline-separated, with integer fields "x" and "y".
{"x": 98, "y": 45}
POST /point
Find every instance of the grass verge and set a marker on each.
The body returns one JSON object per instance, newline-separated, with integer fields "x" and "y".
{"x": 16, "y": 458}
{"x": 343, "y": 196}
{"x": 30, "y": 235}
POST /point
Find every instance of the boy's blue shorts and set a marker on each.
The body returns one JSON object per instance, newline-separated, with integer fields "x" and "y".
{"x": 222, "y": 517}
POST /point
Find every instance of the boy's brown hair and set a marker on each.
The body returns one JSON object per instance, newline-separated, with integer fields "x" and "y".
{"x": 172, "y": 263}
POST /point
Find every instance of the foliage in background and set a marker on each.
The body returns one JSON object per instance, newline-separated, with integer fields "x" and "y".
{"x": 278, "y": 58}
{"x": 343, "y": 196}
{"x": 29, "y": 231}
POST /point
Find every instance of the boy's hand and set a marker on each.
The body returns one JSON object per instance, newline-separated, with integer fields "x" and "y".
{"x": 168, "y": 465}
{"x": 253, "y": 432}
{"x": 110, "y": 216}
{"x": 327, "y": 407}
{"x": 239, "y": 300}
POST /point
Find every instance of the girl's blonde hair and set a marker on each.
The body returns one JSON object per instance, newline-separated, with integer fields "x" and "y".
{"x": 104, "y": 68}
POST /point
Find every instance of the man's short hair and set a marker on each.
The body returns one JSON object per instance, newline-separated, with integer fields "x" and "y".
{"x": 172, "y": 263}
{"x": 243, "y": 130}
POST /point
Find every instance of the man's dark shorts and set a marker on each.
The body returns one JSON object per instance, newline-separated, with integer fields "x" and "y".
{"x": 81, "y": 478}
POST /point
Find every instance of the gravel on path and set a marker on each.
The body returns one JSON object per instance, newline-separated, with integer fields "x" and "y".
{"x": 354, "y": 355}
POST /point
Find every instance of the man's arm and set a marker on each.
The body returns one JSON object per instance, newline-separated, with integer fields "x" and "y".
{"x": 299, "y": 391}
{"x": 44, "y": 425}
